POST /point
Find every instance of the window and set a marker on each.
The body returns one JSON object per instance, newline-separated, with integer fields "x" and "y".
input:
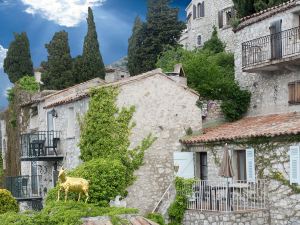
{"x": 34, "y": 111}
{"x": 194, "y": 12}
{"x": 203, "y": 166}
{"x": 294, "y": 92}
{"x": 200, "y": 10}
{"x": 199, "y": 40}
{"x": 241, "y": 165}
{"x": 228, "y": 17}
{"x": 220, "y": 19}
{"x": 71, "y": 123}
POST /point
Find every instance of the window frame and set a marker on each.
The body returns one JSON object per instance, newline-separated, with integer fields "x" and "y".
{"x": 295, "y": 99}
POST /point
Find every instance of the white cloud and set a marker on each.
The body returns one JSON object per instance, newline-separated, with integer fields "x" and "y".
{"x": 2, "y": 55}
{"x": 67, "y": 13}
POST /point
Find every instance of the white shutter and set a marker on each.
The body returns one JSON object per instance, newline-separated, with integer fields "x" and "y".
{"x": 294, "y": 165}
{"x": 250, "y": 165}
{"x": 185, "y": 160}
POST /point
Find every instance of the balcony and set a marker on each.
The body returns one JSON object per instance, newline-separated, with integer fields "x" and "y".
{"x": 222, "y": 196}
{"x": 279, "y": 51}
{"x": 24, "y": 188}
{"x": 40, "y": 146}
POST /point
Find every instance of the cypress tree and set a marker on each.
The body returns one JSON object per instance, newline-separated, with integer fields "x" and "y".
{"x": 18, "y": 61}
{"x": 161, "y": 29}
{"x": 90, "y": 65}
{"x": 58, "y": 68}
{"x": 133, "y": 45}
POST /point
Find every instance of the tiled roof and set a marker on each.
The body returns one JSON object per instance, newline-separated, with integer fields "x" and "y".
{"x": 85, "y": 93}
{"x": 250, "y": 127}
{"x": 256, "y": 17}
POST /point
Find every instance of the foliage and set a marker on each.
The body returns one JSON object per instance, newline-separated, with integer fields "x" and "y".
{"x": 106, "y": 129}
{"x": 58, "y": 68}
{"x": 133, "y": 46}
{"x": 18, "y": 61}
{"x": 7, "y": 202}
{"x": 90, "y": 64}
{"x": 248, "y": 7}
{"x": 27, "y": 84}
{"x": 156, "y": 217}
{"x": 177, "y": 208}
{"x": 147, "y": 42}
{"x": 107, "y": 178}
{"x": 210, "y": 71}
{"x": 61, "y": 214}
{"x": 214, "y": 44}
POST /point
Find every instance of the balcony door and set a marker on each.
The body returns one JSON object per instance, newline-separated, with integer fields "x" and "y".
{"x": 276, "y": 39}
{"x": 50, "y": 133}
{"x": 34, "y": 179}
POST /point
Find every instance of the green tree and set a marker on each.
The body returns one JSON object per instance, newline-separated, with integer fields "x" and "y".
{"x": 210, "y": 71}
{"x": 248, "y": 7}
{"x": 18, "y": 61}
{"x": 214, "y": 44}
{"x": 58, "y": 68}
{"x": 161, "y": 28}
{"x": 90, "y": 65}
{"x": 133, "y": 46}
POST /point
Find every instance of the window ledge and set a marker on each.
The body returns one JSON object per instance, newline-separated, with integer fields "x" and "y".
{"x": 226, "y": 27}
{"x": 71, "y": 137}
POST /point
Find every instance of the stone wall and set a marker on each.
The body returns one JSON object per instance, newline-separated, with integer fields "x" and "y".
{"x": 269, "y": 89}
{"x": 204, "y": 25}
{"x": 192, "y": 217}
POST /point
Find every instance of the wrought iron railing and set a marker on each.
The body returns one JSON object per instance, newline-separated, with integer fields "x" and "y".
{"x": 223, "y": 196}
{"x": 40, "y": 144}
{"x": 24, "y": 187}
{"x": 271, "y": 47}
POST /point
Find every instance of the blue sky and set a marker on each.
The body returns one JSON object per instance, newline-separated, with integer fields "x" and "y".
{"x": 42, "y": 18}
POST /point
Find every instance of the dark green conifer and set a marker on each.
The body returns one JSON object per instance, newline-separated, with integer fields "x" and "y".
{"x": 90, "y": 65}
{"x": 161, "y": 29}
{"x": 18, "y": 63}
{"x": 58, "y": 68}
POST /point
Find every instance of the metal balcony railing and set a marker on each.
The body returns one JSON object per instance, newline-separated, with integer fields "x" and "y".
{"x": 24, "y": 187}
{"x": 40, "y": 144}
{"x": 223, "y": 196}
{"x": 271, "y": 47}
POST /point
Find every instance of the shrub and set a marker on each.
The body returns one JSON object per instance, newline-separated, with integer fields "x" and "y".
{"x": 210, "y": 71}
{"x": 7, "y": 202}
{"x": 108, "y": 178}
{"x": 176, "y": 210}
{"x": 156, "y": 217}
{"x": 60, "y": 213}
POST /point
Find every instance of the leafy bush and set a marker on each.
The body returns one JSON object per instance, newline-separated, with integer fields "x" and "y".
{"x": 26, "y": 83}
{"x": 60, "y": 213}
{"x": 210, "y": 71}
{"x": 7, "y": 202}
{"x": 214, "y": 44}
{"x": 177, "y": 209}
{"x": 108, "y": 178}
{"x": 156, "y": 217}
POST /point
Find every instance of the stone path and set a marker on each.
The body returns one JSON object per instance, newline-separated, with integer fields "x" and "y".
{"x": 133, "y": 220}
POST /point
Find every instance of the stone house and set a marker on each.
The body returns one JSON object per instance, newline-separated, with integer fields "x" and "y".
{"x": 164, "y": 107}
{"x": 264, "y": 146}
{"x": 202, "y": 16}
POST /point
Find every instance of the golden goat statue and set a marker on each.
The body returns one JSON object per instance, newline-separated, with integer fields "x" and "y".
{"x": 73, "y": 184}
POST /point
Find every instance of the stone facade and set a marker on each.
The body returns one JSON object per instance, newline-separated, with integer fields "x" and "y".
{"x": 211, "y": 218}
{"x": 282, "y": 206}
{"x": 269, "y": 89}
{"x": 203, "y": 26}
{"x": 164, "y": 108}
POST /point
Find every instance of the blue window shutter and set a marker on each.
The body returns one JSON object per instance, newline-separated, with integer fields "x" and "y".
{"x": 294, "y": 165}
{"x": 250, "y": 165}
{"x": 185, "y": 160}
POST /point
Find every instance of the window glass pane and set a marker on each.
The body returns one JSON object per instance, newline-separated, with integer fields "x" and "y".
{"x": 291, "y": 92}
{"x": 241, "y": 165}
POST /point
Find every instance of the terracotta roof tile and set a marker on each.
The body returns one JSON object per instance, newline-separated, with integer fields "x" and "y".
{"x": 250, "y": 127}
